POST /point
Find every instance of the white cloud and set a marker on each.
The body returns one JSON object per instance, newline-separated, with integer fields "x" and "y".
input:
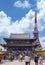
{"x": 19, "y": 26}
{"x": 4, "y": 21}
{"x": 42, "y": 40}
{"x": 24, "y": 4}
{"x": 23, "y": 25}
{"x": 41, "y": 14}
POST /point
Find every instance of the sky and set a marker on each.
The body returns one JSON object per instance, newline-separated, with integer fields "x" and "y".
{"x": 17, "y": 16}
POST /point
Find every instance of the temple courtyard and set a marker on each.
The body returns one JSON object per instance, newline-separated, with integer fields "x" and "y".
{"x": 16, "y": 62}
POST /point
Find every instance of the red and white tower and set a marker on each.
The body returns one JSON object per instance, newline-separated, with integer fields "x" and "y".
{"x": 36, "y": 36}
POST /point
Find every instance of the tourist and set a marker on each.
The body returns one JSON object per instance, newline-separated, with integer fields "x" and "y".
{"x": 36, "y": 59}
{"x": 20, "y": 57}
{"x": 41, "y": 60}
{"x": 27, "y": 60}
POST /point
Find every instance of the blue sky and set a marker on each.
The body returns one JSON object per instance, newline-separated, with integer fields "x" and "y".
{"x": 17, "y": 16}
{"x": 16, "y": 13}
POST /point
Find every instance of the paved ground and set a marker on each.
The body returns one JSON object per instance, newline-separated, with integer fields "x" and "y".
{"x": 7, "y": 62}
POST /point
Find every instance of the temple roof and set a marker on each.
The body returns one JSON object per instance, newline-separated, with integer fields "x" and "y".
{"x": 19, "y": 36}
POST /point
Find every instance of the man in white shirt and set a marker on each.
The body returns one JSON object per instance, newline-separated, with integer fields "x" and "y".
{"x": 27, "y": 60}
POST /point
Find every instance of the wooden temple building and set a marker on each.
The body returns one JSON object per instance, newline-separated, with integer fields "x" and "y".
{"x": 19, "y": 42}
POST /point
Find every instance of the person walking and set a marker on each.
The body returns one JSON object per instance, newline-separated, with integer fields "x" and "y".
{"x": 36, "y": 59}
{"x": 27, "y": 60}
{"x": 20, "y": 57}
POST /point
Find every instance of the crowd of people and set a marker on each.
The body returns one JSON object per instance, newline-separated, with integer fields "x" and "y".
{"x": 23, "y": 56}
{"x": 38, "y": 59}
